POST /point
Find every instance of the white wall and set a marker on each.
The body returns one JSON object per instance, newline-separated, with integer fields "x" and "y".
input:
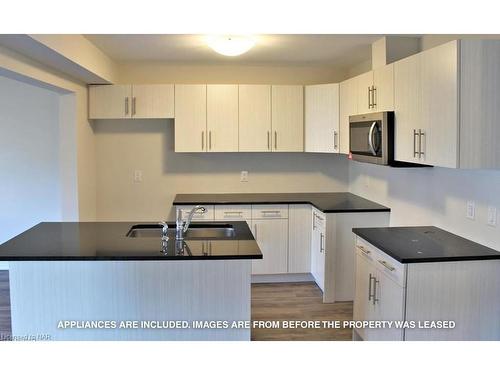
{"x": 125, "y": 145}
{"x": 432, "y": 196}
{"x": 30, "y": 191}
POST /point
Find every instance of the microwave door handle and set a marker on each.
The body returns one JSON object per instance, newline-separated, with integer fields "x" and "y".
{"x": 370, "y": 138}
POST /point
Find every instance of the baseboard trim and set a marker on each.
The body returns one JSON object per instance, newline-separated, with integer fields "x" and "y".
{"x": 282, "y": 278}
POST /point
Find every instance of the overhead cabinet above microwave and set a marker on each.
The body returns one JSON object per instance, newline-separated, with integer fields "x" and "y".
{"x": 131, "y": 101}
{"x": 446, "y": 105}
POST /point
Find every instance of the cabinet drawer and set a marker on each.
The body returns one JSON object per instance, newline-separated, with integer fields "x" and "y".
{"x": 383, "y": 262}
{"x": 208, "y": 215}
{"x": 270, "y": 211}
{"x": 233, "y": 212}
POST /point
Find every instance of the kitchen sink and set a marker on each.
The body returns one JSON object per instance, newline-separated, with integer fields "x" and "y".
{"x": 195, "y": 231}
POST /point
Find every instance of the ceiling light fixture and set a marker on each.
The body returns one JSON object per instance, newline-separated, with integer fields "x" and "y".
{"x": 230, "y": 45}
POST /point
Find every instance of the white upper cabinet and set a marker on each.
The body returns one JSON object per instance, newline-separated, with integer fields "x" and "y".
{"x": 407, "y": 108}
{"x": 110, "y": 101}
{"x": 131, "y": 101}
{"x": 152, "y": 101}
{"x": 365, "y": 92}
{"x": 191, "y": 118}
{"x": 322, "y": 118}
{"x": 348, "y": 106}
{"x": 426, "y": 107}
{"x": 254, "y": 118}
{"x": 287, "y": 113}
{"x": 439, "y": 76}
{"x": 383, "y": 89}
{"x": 222, "y": 118}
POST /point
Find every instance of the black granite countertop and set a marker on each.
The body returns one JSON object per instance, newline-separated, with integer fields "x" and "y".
{"x": 109, "y": 241}
{"x": 424, "y": 244}
{"x": 325, "y": 202}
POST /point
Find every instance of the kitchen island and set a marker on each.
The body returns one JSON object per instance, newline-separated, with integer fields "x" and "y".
{"x": 107, "y": 281}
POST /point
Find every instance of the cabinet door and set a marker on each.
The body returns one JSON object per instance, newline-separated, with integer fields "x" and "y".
{"x": 110, "y": 101}
{"x": 407, "y": 108}
{"x": 287, "y": 118}
{"x": 272, "y": 237}
{"x": 299, "y": 238}
{"x": 318, "y": 245}
{"x": 389, "y": 306}
{"x": 254, "y": 118}
{"x": 364, "y": 95}
{"x": 222, "y": 118}
{"x": 153, "y": 101}
{"x": 440, "y": 105}
{"x": 364, "y": 309}
{"x": 383, "y": 82}
{"x": 190, "y": 118}
{"x": 348, "y": 107}
{"x": 322, "y": 118}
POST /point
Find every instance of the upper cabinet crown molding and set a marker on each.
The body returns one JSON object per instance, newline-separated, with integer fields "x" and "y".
{"x": 322, "y": 118}
{"x": 131, "y": 101}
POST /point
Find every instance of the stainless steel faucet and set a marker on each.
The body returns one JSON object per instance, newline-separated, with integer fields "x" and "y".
{"x": 182, "y": 226}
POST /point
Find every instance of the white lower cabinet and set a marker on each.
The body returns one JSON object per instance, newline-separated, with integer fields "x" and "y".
{"x": 272, "y": 237}
{"x": 299, "y": 238}
{"x": 318, "y": 245}
{"x": 420, "y": 293}
{"x": 378, "y": 296}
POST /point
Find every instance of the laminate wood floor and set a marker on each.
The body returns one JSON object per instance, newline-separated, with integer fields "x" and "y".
{"x": 271, "y": 302}
{"x": 297, "y": 301}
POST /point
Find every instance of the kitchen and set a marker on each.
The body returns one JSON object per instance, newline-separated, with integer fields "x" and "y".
{"x": 266, "y": 155}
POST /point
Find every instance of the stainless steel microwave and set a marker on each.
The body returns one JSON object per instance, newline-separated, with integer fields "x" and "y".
{"x": 371, "y": 138}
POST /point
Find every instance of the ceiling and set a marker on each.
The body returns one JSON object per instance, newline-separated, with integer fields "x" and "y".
{"x": 336, "y": 51}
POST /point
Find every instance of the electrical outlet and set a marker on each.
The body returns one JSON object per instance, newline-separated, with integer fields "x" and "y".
{"x": 137, "y": 176}
{"x": 471, "y": 210}
{"x": 492, "y": 216}
{"x": 244, "y": 176}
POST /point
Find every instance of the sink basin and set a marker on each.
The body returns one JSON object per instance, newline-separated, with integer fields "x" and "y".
{"x": 195, "y": 231}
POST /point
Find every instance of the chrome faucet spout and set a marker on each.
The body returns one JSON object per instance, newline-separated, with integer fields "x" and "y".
{"x": 181, "y": 225}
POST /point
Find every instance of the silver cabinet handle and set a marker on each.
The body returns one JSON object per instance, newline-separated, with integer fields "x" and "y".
{"x": 374, "y": 103}
{"x": 210, "y": 140}
{"x": 363, "y": 250}
{"x": 275, "y": 140}
{"x": 375, "y": 299}
{"x": 415, "y": 152}
{"x": 370, "y": 138}
{"x": 335, "y": 139}
{"x": 126, "y": 105}
{"x": 133, "y": 105}
{"x": 369, "y": 97}
{"x": 386, "y": 265}
{"x": 370, "y": 277}
{"x": 268, "y": 140}
{"x": 202, "y": 140}
{"x": 321, "y": 242}
{"x": 420, "y": 135}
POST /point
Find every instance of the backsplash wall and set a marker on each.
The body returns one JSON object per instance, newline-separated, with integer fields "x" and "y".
{"x": 123, "y": 146}
{"x": 433, "y": 196}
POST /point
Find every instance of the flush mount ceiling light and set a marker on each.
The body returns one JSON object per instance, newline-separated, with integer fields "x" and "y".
{"x": 230, "y": 45}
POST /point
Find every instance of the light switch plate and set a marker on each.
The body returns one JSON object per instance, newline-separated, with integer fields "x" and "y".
{"x": 471, "y": 210}
{"x": 492, "y": 216}
{"x": 244, "y": 176}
